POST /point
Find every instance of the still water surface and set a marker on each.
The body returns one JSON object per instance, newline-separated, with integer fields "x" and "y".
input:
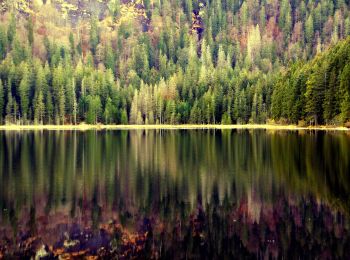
{"x": 175, "y": 194}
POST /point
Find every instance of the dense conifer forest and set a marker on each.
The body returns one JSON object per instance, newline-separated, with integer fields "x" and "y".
{"x": 174, "y": 61}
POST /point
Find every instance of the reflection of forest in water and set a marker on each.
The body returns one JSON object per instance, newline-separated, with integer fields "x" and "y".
{"x": 204, "y": 192}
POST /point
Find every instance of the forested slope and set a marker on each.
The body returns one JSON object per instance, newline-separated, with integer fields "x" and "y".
{"x": 177, "y": 61}
{"x": 317, "y": 92}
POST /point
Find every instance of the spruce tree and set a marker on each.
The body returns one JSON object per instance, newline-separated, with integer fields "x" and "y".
{"x": 2, "y": 101}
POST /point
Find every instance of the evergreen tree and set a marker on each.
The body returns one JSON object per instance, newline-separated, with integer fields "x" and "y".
{"x": 49, "y": 108}
{"x": 196, "y": 61}
{"x": 11, "y": 29}
{"x": 39, "y": 108}
{"x": 124, "y": 117}
{"x": 9, "y": 108}
{"x": 2, "y": 101}
{"x": 3, "y": 43}
{"x": 134, "y": 109}
{"x": 309, "y": 29}
{"x": 94, "y": 109}
{"x": 24, "y": 89}
{"x": 109, "y": 112}
{"x": 345, "y": 90}
{"x": 72, "y": 44}
{"x": 94, "y": 35}
{"x": 30, "y": 30}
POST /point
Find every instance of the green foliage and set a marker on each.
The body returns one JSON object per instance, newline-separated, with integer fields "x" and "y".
{"x": 94, "y": 35}
{"x": 11, "y": 29}
{"x": 30, "y": 31}
{"x": 24, "y": 88}
{"x": 345, "y": 91}
{"x": 318, "y": 91}
{"x": 94, "y": 109}
{"x": 181, "y": 62}
{"x": 39, "y": 108}
{"x": 309, "y": 29}
{"x": 3, "y": 42}
{"x": 2, "y": 101}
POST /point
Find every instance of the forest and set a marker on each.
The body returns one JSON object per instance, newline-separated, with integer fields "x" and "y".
{"x": 175, "y": 62}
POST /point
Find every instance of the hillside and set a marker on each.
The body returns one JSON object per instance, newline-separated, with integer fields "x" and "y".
{"x": 316, "y": 92}
{"x": 70, "y": 8}
{"x": 184, "y": 61}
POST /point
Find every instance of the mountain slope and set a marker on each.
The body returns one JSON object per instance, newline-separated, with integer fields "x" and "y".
{"x": 178, "y": 61}
{"x": 318, "y": 91}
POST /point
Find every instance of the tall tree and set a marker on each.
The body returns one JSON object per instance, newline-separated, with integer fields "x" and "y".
{"x": 94, "y": 34}
{"x": 39, "y": 108}
{"x": 94, "y": 109}
{"x": 345, "y": 90}
{"x": 309, "y": 29}
{"x": 11, "y": 29}
{"x": 2, "y": 101}
{"x": 3, "y": 43}
{"x": 24, "y": 89}
{"x": 30, "y": 31}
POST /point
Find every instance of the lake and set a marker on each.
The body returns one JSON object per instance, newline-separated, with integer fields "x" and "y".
{"x": 175, "y": 194}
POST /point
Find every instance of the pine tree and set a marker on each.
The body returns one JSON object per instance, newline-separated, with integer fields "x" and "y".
{"x": 2, "y": 101}
{"x": 226, "y": 119}
{"x": 94, "y": 35}
{"x": 3, "y": 43}
{"x": 309, "y": 29}
{"x": 345, "y": 108}
{"x": 160, "y": 108}
{"x": 285, "y": 19}
{"x": 24, "y": 88}
{"x": 347, "y": 26}
{"x": 49, "y": 107}
{"x": 109, "y": 112}
{"x": 243, "y": 109}
{"x": 345, "y": 90}
{"x": 30, "y": 31}
{"x": 110, "y": 59}
{"x": 11, "y": 30}
{"x": 124, "y": 117}
{"x": 59, "y": 94}
{"x": 72, "y": 45}
{"x": 254, "y": 44}
{"x": 262, "y": 17}
{"x": 195, "y": 116}
{"x": 254, "y": 110}
{"x": 61, "y": 106}
{"x": 41, "y": 80}
{"x": 39, "y": 108}
{"x": 315, "y": 94}
{"x": 134, "y": 108}
{"x": 94, "y": 109}
{"x": 9, "y": 108}
{"x": 244, "y": 14}
{"x": 139, "y": 120}
{"x": 74, "y": 101}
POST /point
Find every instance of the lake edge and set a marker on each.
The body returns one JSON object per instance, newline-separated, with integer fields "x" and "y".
{"x": 84, "y": 127}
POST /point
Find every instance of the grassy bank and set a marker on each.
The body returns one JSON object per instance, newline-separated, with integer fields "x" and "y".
{"x": 84, "y": 127}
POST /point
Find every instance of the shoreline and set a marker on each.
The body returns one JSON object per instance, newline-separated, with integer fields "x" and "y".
{"x": 85, "y": 127}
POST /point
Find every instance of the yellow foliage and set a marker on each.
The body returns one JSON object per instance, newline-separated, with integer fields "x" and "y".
{"x": 129, "y": 11}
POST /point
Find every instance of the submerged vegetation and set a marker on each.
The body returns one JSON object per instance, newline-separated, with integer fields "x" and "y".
{"x": 174, "y": 62}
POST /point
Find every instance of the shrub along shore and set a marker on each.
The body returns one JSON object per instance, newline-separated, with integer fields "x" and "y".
{"x": 82, "y": 127}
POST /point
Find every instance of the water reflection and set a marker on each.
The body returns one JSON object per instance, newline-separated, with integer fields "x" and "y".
{"x": 176, "y": 194}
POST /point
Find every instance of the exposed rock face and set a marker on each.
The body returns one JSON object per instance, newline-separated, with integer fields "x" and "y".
{"x": 74, "y": 11}
{"x": 71, "y": 9}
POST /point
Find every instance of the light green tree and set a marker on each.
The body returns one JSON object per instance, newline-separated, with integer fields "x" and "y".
{"x": 2, "y": 101}
{"x": 39, "y": 108}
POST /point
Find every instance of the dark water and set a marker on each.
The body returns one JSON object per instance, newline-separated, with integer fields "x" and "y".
{"x": 175, "y": 194}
